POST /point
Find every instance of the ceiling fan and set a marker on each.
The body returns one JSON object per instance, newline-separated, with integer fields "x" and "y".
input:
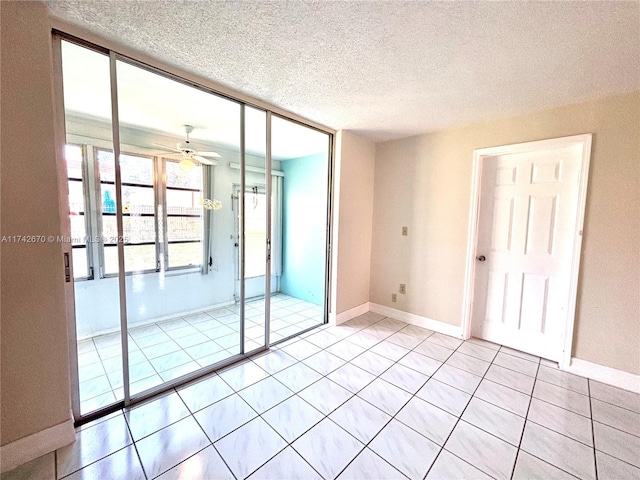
{"x": 188, "y": 153}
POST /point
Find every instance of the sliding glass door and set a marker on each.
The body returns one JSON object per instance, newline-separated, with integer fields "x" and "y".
{"x": 92, "y": 208}
{"x": 300, "y": 168}
{"x": 182, "y": 312}
{"x": 183, "y": 211}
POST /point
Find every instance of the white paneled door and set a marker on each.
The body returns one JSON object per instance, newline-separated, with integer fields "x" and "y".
{"x": 527, "y": 227}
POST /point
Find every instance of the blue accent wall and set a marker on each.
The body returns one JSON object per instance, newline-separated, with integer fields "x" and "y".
{"x": 304, "y": 222}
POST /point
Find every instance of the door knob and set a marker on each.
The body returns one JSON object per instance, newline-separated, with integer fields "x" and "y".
{"x": 482, "y": 258}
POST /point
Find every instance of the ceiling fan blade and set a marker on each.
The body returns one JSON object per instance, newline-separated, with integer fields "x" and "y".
{"x": 209, "y": 154}
{"x": 204, "y": 161}
{"x": 170, "y": 154}
{"x": 168, "y": 149}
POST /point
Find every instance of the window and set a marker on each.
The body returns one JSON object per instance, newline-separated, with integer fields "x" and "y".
{"x": 176, "y": 236}
{"x": 138, "y": 212}
{"x": 75, "y": 159}
{"x": 184, "y": 215}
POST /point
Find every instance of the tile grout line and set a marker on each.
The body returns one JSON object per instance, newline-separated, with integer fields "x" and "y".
{"x": 395, "y": 362}
{"x": 524, "y": 426}
{"x": 459, "y": 419}
{"x": 135, "y": 446}
{"x": 379, "y": 377}
{"x": 149, "y": 360}
{"x": 191, "y": 414}
{"x": 550, "y": 429}
{"x": 610, "y": 454}
{"x": 258, "y": 415}
{"x": 593, "y": 430}
{"x": 93, "y": 462}
{"x": 392, "y": 417}
{"x": 326, "y": 416}
{"x": 155, "y": 324}
{"x": 466, "y": 371}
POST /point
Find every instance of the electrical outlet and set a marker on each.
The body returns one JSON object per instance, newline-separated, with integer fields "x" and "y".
{"x": 404, "y": 231}
{"x": 394, "y": 298}
{"x": 403, "y": 288}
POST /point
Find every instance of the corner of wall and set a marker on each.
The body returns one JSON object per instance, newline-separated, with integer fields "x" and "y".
{"x": 335, "y": 225}
{"x": 353, "y": 215}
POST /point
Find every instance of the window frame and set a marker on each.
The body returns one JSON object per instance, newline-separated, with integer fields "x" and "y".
{"x": 93, "y": 214}
{"x": 84, "y": 181}
{"x": 98, "y": 207}
{"x": 165, "y": 216}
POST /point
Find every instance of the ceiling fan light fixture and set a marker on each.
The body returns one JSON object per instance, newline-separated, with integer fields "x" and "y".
{"x": 188, "y": 152}
{"x": 186, "y": 164}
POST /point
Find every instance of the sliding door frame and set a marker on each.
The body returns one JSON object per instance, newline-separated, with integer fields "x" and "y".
{"x": 243, "y": 101}
{"x": 329, "y": 217}
{"x": 268, "y": 233}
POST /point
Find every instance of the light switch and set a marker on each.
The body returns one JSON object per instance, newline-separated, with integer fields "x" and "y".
{"x": 404, "y": 231}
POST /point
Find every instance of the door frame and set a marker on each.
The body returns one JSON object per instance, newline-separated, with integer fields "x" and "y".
{"x": 479, "y": 155}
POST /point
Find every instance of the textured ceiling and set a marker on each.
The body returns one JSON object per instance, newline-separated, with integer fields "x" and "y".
{"x": 386, "y": 69}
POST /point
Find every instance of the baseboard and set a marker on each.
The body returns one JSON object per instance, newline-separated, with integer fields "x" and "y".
{"x": 418, "y": 320}
{"x": 610, "y": 376}
{"x": 351, "y": 313}
{"x": 33, "y": 446}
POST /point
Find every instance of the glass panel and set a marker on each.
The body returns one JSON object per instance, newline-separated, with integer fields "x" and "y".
{"x": 134, "y": 199}
{"x": 184, "y": 228}
{"x": 184, "y": 196}
{"x": 87, "y": 100}
{"x": 110, "y": 260}
{"x": 73, "y": 156}
{"x": 179, "y": 176}
{"x": 138, "y": 206}
{"x": 136, "y": 169}
{"x": 181, "y": 202}
{"x": 76, "y": 197}
{"x": 193, "y": 310}
{"x": 139, "y": 258}
{"x": 78, "y": 237}
{"x": 80, "y": 268}
{"x": 137, "y": 229}
{"x": 255, "y": 234}
{"x": 106, "y": 165}
{"x": 255, "y": 225}
{"x": 300, "y": 257}
{"x": 185, "y": 254}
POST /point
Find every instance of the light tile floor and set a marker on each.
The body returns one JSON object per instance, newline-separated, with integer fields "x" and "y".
{"x": 165, "y": 350}
{"x": 374, "y": 398}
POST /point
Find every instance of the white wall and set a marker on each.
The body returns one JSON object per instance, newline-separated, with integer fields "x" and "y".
{"x": 34, "y": 354}
{"x": 353, "y": 220}
{"x": 424, "y": 182}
